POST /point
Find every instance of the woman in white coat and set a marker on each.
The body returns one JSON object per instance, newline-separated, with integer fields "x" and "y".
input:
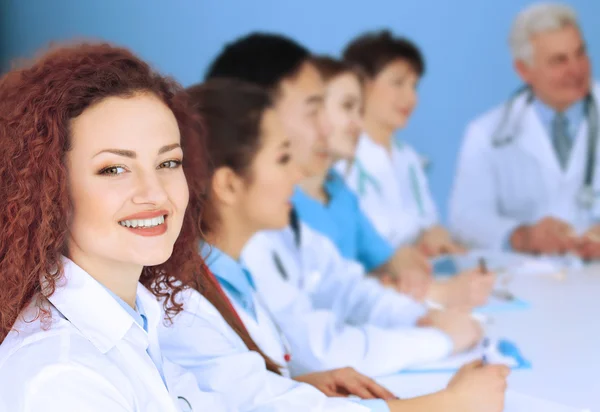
{"x": 387, "y": 174}
{"x": 250, "y": 190}
{"x": 527, "y": 175}
{"x": 93, "y": 199}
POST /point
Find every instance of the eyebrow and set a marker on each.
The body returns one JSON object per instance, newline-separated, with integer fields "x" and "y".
{"x": 132, "y": 155}
{"x": 316, "y": 99}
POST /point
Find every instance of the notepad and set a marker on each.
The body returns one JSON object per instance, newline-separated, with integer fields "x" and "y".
{"x": 517, "y": 264}
{"x": 495, "y": 305}
{"x": 499, "y": 351}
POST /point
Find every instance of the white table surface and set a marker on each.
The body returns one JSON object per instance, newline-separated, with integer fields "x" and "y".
{"x": 559, "y": 334}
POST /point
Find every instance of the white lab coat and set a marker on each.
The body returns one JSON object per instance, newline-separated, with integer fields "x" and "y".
{"x": 201, "y": 341}
{"x": 392, "y": 189}
{"x": 496, "y": 189}
{"x": 92, "y": 357}
{"x": 331, "y": 314}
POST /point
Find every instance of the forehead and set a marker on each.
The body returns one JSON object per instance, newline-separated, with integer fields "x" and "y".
{"x": 344, "y": 83}
{"x": 397, "y": 67}
{"x": 125, "y": 121}
{"x": 557, "y": 41}
{"x": 305, "y": 84}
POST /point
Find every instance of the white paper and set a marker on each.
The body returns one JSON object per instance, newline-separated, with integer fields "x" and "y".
{"x": 454, "y": 362}
{"x": 518, "y": 402}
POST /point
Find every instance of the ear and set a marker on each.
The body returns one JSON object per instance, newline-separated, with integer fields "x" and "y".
{"x": 227, "y": 185}
{"x": 523, "y": 70}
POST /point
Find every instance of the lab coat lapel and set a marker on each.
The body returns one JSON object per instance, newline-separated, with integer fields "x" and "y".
{"x": 534, "y": 140}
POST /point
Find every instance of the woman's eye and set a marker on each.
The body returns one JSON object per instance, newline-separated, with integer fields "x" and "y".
{"x": 170, "y": 164}
{"x": 285, "y": 159}
{"x": 112, "y": 171}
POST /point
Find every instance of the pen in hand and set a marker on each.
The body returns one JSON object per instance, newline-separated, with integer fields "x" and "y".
{"x": 483, "y": 266}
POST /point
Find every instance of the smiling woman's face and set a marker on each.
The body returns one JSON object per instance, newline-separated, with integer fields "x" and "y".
{"x": 127, "y": 187}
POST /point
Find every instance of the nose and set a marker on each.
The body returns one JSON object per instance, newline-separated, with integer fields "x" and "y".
{"x": 149, "y": 190}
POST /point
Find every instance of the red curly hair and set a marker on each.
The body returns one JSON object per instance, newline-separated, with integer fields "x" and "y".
{"x": 37, "y": 104}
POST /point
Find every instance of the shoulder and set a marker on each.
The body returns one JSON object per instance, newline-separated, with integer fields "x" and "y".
{"x": 488, "y": 118}
{"x": 35, "y": 357}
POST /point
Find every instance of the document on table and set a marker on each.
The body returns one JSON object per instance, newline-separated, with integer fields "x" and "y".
{"x": 518, "y": 402}
{"x": 494, "y": 351}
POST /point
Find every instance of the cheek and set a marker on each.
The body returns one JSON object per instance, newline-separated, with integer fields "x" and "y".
{"x": 178, "y": 191}
{"x": 95, "y": 209}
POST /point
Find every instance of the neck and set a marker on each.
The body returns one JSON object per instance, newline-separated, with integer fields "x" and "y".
{"x": 230, "y": 237}
{"x": 120, "y": 278}
{"x": 314, "y": 186}
{"x": 558, "y": 107}
{"x": 379, "y": 133}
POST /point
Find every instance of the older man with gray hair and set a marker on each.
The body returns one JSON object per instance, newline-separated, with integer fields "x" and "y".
{"x": 527, "y": 176}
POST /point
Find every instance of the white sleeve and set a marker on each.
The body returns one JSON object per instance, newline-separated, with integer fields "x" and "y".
{"x": 344, "y": 288}
{"x": 201, "y": 341}
{"x": 322, "y": 340}
{"x": 474, "y": 216}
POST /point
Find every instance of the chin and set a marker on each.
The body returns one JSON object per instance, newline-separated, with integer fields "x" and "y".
{"x": 152, "y": 256}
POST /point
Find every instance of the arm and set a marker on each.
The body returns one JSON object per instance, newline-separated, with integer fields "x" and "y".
{"x": 201, "y": 342}
{"x": 331, "y": 333}
{"x": 373, "y": 250}
{"x": 474, "y": 215}
{"x": 344, "y": 288}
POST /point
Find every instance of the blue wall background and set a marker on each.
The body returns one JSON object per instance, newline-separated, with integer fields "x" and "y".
{"x": 464, "y": 42}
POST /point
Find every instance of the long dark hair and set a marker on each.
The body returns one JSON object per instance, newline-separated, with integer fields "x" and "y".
{"x": 232, "y": 113}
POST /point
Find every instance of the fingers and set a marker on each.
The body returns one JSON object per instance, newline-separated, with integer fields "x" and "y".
{"x": 472, "y": 365}
{"x": 502, "y": 370}
{"x": 331, "y": 392}
{"x": 377, "y": 390}
{"x": 355, "y": 387}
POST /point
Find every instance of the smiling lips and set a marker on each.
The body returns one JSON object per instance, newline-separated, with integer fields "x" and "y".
{"x": 152, "y": 223}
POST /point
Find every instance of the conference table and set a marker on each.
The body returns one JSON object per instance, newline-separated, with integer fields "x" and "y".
{"x": 559, "y": 334}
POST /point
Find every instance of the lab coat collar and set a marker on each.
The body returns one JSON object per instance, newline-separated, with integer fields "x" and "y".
{"x": 90, "y": 308}
{"x": 534, "y": 139}
{"x": 227, "y": 269}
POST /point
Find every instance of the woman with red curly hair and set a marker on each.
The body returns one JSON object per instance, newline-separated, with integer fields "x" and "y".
{"x": 94, "y": 199}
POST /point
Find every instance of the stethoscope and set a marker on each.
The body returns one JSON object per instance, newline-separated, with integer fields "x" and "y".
{"x": 364, "y": 178}
{"x": 507, "y": 132}
{"x": 287, "y": 350}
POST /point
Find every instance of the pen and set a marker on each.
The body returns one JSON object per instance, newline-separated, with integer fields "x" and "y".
{"x": 482, "y": 266}
{"x": 279, "y": 266}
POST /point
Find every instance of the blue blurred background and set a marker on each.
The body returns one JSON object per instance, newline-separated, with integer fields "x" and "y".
{"x": 464, "y": 41}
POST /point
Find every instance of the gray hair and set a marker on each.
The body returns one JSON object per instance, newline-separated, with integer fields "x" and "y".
{"x": 538, "y": 18}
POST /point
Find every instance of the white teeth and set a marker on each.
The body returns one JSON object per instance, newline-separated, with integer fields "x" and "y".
{"x": 143, "y": 222}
